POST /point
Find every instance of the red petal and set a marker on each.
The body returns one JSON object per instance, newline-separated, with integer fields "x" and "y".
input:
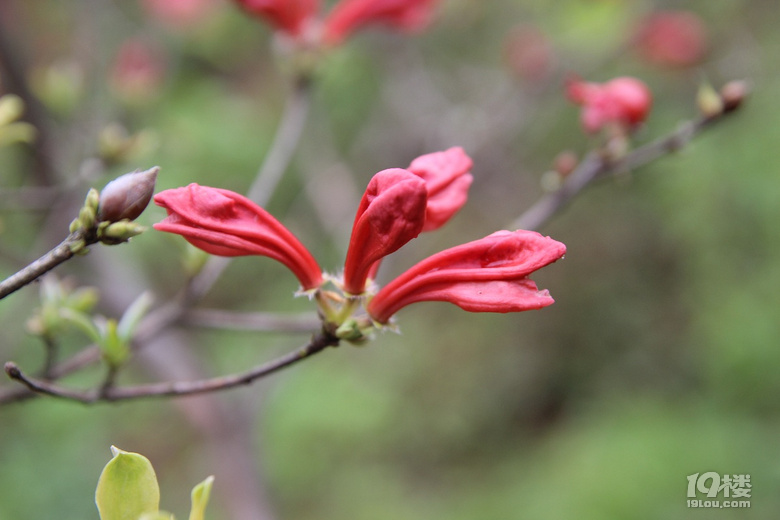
{"x": 289, "y": 16}
{"x": 447, "y": 178}
{"x": 225, "y": 223}
{"x": 349, "y": 15}
{"x": 391, "y": 213}
{"x": 484, "y": 275}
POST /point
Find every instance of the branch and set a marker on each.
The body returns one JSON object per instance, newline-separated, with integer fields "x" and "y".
{"x": 317, "y": 344}
{"x": 595, "y": 166}
{"x": 274, "y": 165}
{"x": 250, "y": 321}
{"x": 75, "y": 242}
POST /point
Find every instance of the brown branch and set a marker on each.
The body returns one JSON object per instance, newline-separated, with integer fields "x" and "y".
{"x": 317, "y": 344}
{"x": 63, "y": 252}
{"x": 595, "y": 167}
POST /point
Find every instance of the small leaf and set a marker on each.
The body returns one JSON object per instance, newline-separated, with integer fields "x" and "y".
{"x": 127, "y": 487}
{"x": 114, "y": 349}
{"x": 200, "y": 499}
{"x": 133, "y": 315}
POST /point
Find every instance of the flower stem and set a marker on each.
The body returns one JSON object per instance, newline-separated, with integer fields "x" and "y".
{"x": 107, "y": 392}
{"x": 594, "y": 167}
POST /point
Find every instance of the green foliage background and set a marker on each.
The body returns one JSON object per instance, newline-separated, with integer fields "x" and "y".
{"x": 658, "y": 360}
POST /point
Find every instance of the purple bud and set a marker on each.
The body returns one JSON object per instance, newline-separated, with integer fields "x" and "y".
{"x": 127, "y": 196}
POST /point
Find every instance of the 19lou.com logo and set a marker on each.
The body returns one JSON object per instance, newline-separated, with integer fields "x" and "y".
{"x": 721, "y": 491}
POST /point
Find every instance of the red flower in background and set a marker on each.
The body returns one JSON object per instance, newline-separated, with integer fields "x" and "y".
{"x": 671, "y": 38}
{"x": 293, "y": 16}
{"x": 349, "y": 15}
{"x": 622, "y": 101}
{"x": 487, "y": 275}
{"x": 288, "y": 16}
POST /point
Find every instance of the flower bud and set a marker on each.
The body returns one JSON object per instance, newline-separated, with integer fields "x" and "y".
{"x": 121, "y": 231}
{"x": 709, "y": 101}
{"x": 127, "y": 196}
{"x": 733, "y": 94}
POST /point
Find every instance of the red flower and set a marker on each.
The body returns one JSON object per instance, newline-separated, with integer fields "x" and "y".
{"x": 349, "y": 15}
{"x": 288, "y": 16}
{"x": 225, "y": 223}
{"x": 391, "y": 213}
{"x": 672, "y": 38}
{"x": 292, "y": 16}
{"x": 447, "y": 178}
{"x": 623, "y": 101}
{"x": 487, "y": 275}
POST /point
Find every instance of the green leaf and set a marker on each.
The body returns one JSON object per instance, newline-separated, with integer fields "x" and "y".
{"x": 133, "y": 315}
{"x": 159, "y": 515}
{"x": 127, "y": 487}
{"x": 200, "y": 499}
{"x": 114, "y": 349}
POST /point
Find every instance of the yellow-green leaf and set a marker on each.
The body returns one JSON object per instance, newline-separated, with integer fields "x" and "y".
{"x": 127, "y": 488}
{"x": 200, "y": 499}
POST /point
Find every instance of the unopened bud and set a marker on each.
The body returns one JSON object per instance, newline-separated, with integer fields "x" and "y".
{"x": 733, "y": 94}
{"x": 565, "y": 162}
{"x": 709, "y": 101}
{"x": 93, "y": 200}
{"x": 121, "y": 231}
{"x": 87, "y": 218}
{"x": 127, "y": 196}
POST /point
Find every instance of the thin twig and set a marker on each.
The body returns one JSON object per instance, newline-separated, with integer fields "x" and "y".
{"x": 317, "y": 344}
{"x": 63, "y": 252}
{"x": 250, "y": 321}
{"x": 594, "y": 167}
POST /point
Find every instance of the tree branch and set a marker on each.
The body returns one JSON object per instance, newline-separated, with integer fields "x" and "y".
{"x": 595, "y": 166}
{"x": 317, "y": 344}
{"x": 63, "y": 252}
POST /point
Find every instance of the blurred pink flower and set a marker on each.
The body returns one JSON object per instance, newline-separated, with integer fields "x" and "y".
{"x": 179, "y": 13}
{"x": 288, "y": 16}
{"x": 671, "y": 38}
{"x": 349, "y": 15}
{"x": 295, "y": 17}
{"x": 623, "y": 101}
{"x": 529, "y": 53}
{"x": 486, "y": 275}
{"x": 138, "y": 71}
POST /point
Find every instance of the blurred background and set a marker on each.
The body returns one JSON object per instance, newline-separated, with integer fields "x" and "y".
{"x": 658, "y": 360}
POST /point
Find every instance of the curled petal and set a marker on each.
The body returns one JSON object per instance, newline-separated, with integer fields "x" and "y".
{"x": 225, "y": 223}
{"x": 486, "y": 275}
{"x": 391, "y": 213}
{"x": 349, "y": 15}
{"x": 289, "y": 16}
{"x": 447, "y": 178}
